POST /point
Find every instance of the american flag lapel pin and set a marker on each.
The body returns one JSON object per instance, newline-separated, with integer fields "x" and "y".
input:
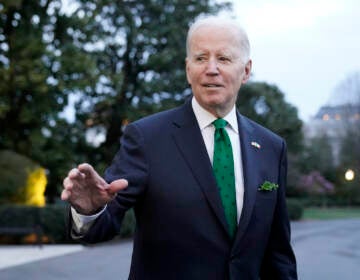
{"x": 255, "y": 144}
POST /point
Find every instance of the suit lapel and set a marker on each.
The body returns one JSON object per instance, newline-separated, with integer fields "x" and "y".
{"x": 250, "y": 160}
{"x": 189, "y": 140}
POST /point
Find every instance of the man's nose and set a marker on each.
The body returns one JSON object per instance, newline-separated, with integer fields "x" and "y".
{"x": 212, "y": 67}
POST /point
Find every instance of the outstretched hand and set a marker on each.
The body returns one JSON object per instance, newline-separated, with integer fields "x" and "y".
{"x": 87, "y": 191}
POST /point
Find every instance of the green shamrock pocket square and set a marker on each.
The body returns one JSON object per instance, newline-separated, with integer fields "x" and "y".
{"x": 268, "y": 186}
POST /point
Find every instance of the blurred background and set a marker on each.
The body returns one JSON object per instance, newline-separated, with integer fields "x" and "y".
{"x": 74, "y": 73}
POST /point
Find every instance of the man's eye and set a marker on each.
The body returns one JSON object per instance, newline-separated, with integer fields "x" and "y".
{"x": 200, "y": 58}
{"x": 224, "y": 59}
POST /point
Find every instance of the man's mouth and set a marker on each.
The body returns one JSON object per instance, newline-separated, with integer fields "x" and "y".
{"x": 212, "y": 85}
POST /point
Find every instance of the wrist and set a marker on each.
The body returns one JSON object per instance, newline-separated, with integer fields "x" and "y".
{"x": 87, "y": 212}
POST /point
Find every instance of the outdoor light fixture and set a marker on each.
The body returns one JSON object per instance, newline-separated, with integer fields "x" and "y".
{"x": 349, "y": 175}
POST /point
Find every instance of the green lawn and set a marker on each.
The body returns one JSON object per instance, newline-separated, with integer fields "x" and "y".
{"x": 330, "y": 213}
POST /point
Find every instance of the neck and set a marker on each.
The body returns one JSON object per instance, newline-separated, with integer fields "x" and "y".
{"x": 218, "y": 112}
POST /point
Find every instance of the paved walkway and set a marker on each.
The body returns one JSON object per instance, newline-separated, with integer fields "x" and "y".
{"x": 326, "y": 250}
{"x": 105, "y": 261}
{"x": 17, "y": 255}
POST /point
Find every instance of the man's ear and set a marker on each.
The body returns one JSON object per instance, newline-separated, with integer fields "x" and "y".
{"x": 247, "y": 71}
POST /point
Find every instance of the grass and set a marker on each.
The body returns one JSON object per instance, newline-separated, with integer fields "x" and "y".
{"x": 330, "y": 213}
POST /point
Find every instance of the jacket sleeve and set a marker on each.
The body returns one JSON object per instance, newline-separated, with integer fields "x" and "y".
{"x": 130, "y": 164}
{"x": 279, "y": 259}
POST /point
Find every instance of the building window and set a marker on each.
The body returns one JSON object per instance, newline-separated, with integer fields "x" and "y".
{"x": 326, "y": 117}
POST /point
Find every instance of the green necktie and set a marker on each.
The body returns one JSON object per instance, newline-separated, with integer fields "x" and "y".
{"x": 223, "y": 165}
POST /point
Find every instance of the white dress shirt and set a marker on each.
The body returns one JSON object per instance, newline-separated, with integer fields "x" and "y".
{"x": 205, "y": 119}
{"x": 81, "y": 223}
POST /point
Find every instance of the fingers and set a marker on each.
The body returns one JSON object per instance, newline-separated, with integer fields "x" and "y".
{"x": 118, "y": 185}
{"x": 85, "y": 185}
{"x": 67, "y": 184}
{"x": 92, "y": 176}
{"x": 75, "y": 174}
{"x": 87, "y": 169}
{"x": 65, "y": 194}
{"x": 89, "y": 172}
{"x": 85, "y": 174}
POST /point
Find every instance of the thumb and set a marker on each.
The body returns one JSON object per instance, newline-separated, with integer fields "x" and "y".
{"x": 118, "y": 185}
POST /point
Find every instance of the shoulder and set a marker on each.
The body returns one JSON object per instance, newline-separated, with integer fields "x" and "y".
{"x": 262, "y": 129}
{"x": 163, "y": 118}
{"x": 260, "y": 133}
{"x": 162, "y": 122}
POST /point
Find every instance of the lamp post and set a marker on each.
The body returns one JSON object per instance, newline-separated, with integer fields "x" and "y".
{"x": 349, "y": 177}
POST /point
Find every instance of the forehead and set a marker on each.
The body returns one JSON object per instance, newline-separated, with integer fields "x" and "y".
{"x": 215, "y": 38}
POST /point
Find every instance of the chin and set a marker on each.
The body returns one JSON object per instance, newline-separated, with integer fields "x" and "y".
{"x": 215, "y": 101}
{"x": 214, "y": 106}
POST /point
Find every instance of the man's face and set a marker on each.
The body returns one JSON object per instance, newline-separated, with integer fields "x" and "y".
{"x": 214, "y": 68}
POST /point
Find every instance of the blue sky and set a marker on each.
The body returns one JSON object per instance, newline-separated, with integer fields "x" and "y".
{"x": 305, "y": 47}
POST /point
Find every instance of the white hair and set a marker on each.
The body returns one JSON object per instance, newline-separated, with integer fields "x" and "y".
{"x": 217, "y": 21}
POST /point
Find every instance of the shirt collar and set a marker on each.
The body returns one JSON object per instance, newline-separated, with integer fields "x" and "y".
{"x": 205, "y": 118}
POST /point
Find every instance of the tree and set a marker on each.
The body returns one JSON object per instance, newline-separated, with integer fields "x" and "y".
{"x": 350, "y": 148}
{"x": 122, "y": 60}
{"x": 318, "y": 155}
{"x": 140, "y": 51}
{"x": 350, "y": 160}
{"x": 317, "y": 170}
{"x": 348, "y": 90}
{"x": 347, "y": 93}
{"x": 350, "y": 144}
{"x": 41, "y": 63}
{"x": 265, "y": 104}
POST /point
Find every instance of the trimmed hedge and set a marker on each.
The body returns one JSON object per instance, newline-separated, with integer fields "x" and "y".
{"x": 22, "y": 180}
{"x": 295, "y": 209}
{"x": 52, "y": 219}
{"x": 128, "y": 224}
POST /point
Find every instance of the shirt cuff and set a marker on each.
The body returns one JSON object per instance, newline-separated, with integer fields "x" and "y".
{"x": 82, "y": 223}
{"x": 84, "y": 219}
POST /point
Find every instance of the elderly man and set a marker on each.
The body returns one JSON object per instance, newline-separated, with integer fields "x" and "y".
{"x": 207, "y": 184}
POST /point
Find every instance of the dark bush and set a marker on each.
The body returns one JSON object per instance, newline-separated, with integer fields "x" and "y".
{"x": 295, "y": 209}
{"x": 14, "y": 171}
{"x": 51, "y": 218}
{"x": 128, "y": 224}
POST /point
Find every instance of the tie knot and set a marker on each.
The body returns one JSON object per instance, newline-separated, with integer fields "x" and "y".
{"x": 219, "y": 123}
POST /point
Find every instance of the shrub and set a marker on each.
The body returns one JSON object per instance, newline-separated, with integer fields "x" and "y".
{"x": 128, "y": 225}
{"x": 295, "y": 209}
{"x": 22, "y": 180}
{"x": 52, "y": 219}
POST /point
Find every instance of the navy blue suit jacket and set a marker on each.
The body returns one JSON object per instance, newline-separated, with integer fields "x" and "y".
{"x": 181, "y": 230}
